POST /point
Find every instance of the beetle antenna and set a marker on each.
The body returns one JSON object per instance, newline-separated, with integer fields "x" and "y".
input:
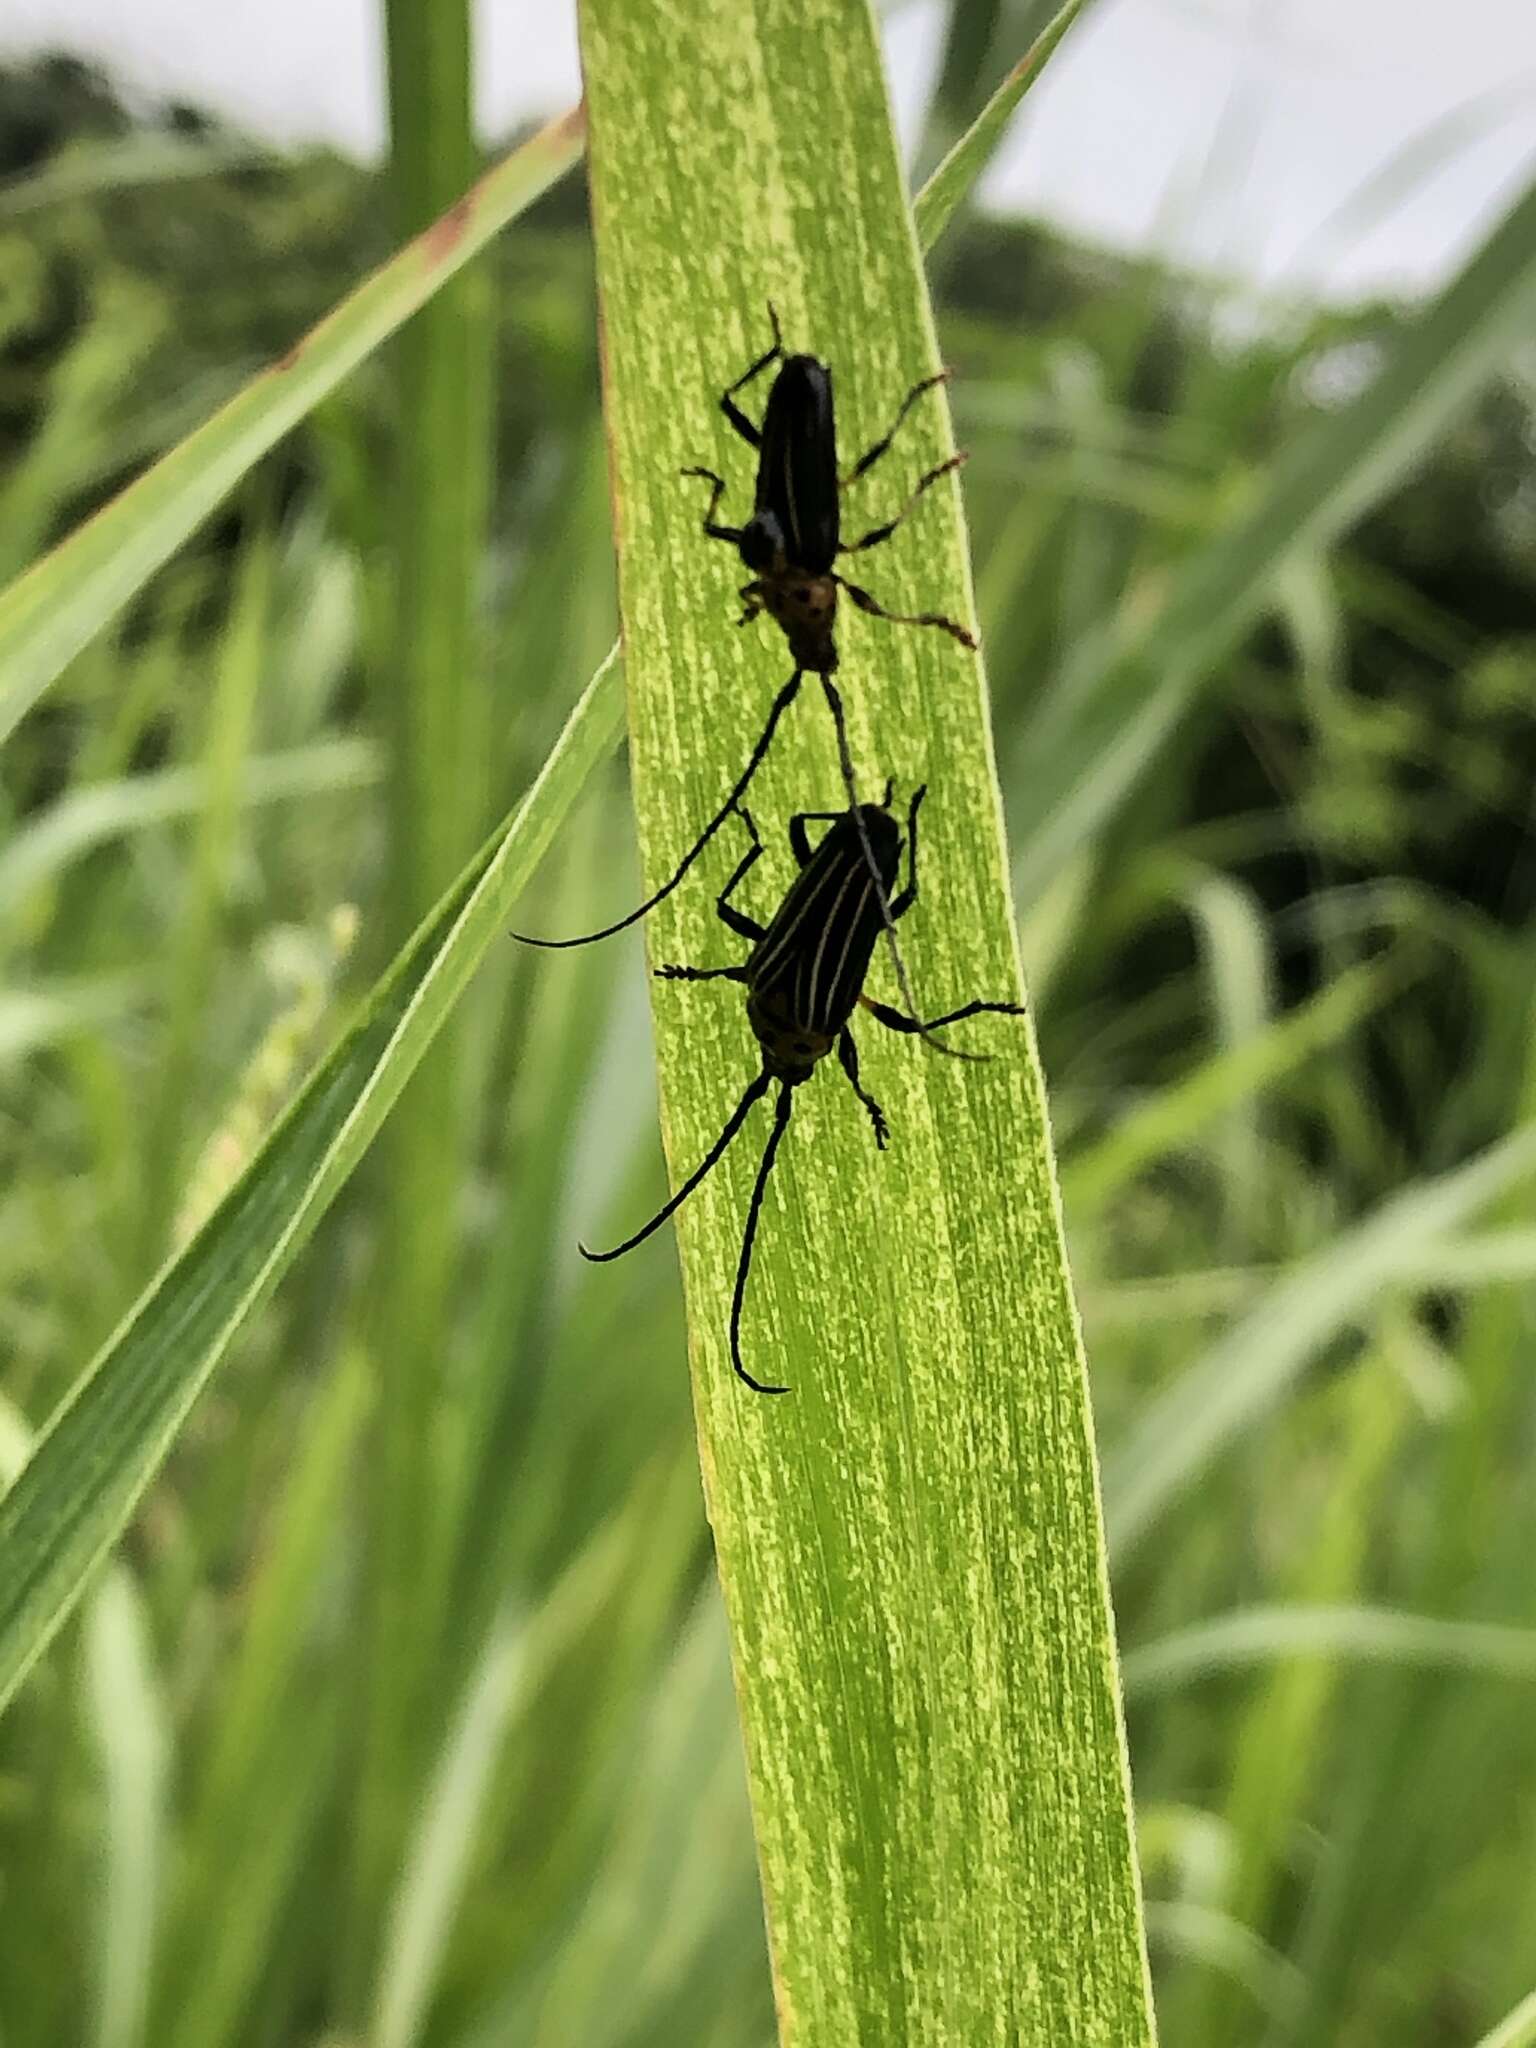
{"x": 782, "y": 1108}
{"x": 756, "y": 1090}
{"x": 780, "y": 705}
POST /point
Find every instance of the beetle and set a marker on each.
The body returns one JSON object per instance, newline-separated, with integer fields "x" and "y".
{"x": 790, "y": 543}
{"x": 794, "y": 536}
{"x": 804, "y": 978}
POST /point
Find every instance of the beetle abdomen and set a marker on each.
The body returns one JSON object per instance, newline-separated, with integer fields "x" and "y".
{"x": 797, "y": 464}
{"x": 807, "y": 971}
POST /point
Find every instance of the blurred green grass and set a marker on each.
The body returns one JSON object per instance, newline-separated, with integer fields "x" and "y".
{"x": 1311, "y": 1199}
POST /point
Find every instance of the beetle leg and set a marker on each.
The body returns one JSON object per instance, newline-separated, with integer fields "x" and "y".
{"x": 845, "y": 761}
{"x": 897, "y": 1020}
{"x": 751, "y": 434}
{"x": 715, "y": 532}
{"x": 737, "y": 920}
{"x": 873, "y": 454}
{"x": 904, "y": 902}
{"x": 866, "y": 603}
{"x": 799, "y": 839}
{"x": 669, "y": 971}
{"x": 848, "y": 1054}
{"x": 877, "y": 534}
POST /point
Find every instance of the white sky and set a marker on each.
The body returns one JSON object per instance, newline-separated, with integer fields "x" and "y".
{"x": 1239, "y": 132}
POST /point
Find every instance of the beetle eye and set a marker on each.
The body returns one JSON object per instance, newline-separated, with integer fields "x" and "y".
{"x": 802, "y": 597}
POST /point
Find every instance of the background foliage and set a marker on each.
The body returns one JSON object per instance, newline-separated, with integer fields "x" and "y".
{"x": 1284, "y": 996}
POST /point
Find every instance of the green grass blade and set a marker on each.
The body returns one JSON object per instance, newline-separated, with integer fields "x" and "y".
{"x": 126, "y": 1724}
{"x": 1118, "y": 699}
{"x": 964, "y": 164}
{"x": 1516, "y": 2030}
{"x": 452, "y": 1805}
{"x": 50, "y": 612}
{"x": 95, "y": 813}
{"x": 1176, "y": 1116}
{"x": 1250, "y": 1366}
{"x": 1265, "y": 1635}
{"x": 129, "y": 1722}
{"x": 909, "y": 1544}
{"x": 193, "y": 942}
{"x": 104, "y": 1444}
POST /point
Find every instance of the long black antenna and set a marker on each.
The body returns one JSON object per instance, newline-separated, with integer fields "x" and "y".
{"x": 782, "y": 1108}
{"x": 756, "y": 1090}
{"x": 781, "y": 704}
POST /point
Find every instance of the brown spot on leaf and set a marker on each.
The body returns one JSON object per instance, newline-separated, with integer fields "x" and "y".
{"x": 447, "y": 229}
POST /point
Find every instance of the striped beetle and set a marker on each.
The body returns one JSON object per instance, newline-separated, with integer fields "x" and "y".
{"x": 804, "y": 979}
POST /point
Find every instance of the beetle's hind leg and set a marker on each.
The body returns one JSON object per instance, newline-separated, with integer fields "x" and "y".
{"x": 756, "y": 1090}
{"x": 876, "y": 610}
{"x": 848, "y": 1055}
{"x": 873, "y": 453}
{"x": 877, "y": 534}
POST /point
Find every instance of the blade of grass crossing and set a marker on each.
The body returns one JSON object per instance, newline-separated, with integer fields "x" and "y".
{"x": 126, "y": 1725}
{"x": 1263, "y": 1635}
{"x": 268, "y": 1703}
{"x": 50, "y": 612}
{"x": 909, "y": 1544}
{"x": 1256, "y": 1361}
{"x": 964, "y": 163}
{"x": 107, "y": 1439}
{"x": 434, "y": 1874}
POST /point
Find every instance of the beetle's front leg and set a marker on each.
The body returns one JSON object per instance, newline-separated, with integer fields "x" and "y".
{"x": 708, "y": 522}
{"x": 748, "y": 430}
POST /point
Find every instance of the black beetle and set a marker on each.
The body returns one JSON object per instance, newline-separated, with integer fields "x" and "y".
{"x": 794, "y": 536}
{"x": 804, "y": 979}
